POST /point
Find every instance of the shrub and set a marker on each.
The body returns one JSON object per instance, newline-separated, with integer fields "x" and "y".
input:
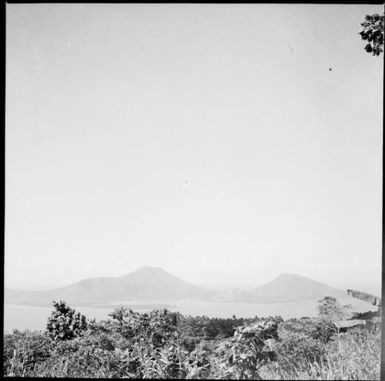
{"x": 156, "y": 327}
{"x": 150, "y": 345}
{"x": 24, "y": 351}
{"x": 251, "y": 347}
{"x": 65, "y": 323}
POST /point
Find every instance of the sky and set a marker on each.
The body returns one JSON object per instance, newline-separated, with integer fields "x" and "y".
{"x": 225, "y": 144}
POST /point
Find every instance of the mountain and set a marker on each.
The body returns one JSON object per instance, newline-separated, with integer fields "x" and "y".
{"x": 147, "y": 283}
{"x": 156, "y": 285}
{"x": 288, "y": 288}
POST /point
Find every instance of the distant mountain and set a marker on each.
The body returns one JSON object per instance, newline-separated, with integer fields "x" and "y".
{"x": 147, "y": 283}
{"x": 153, "y": 284}
{"x": 288, "y": 288}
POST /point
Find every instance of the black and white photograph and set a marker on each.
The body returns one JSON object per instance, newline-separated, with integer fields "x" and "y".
{"x": 193, "y": 191}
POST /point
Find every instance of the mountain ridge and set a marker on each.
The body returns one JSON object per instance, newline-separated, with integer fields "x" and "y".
{"x": 288, "y": 287}
{"x": 146, "y": 283}
{"x": 150, "y": 283}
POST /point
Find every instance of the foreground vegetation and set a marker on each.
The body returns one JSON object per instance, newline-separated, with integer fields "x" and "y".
{"x": 162, "y": 344}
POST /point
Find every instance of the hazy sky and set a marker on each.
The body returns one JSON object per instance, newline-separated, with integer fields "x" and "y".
{"x": 210, "y": 140}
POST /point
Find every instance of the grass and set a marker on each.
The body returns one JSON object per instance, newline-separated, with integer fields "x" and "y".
{"x": 134, "y": 345}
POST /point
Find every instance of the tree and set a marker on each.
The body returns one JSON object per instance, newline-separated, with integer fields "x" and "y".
{"x": 330, "y": 309}
{"x": 373, "y": 33}
{"x": 65, "y": 323}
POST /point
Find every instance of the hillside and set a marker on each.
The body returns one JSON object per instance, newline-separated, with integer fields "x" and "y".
{"x": 147, "y": 283}
{"x": 288, "y": 288}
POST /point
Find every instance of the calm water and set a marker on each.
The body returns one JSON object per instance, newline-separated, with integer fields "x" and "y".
{"x": 35, "y": 318}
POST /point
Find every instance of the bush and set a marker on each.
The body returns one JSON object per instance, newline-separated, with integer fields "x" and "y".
{"x": 24, "y": 351}
{"x": 65, "y": 323}
{"x": 251, "y": 347}
{"x": 152, "y": 345}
